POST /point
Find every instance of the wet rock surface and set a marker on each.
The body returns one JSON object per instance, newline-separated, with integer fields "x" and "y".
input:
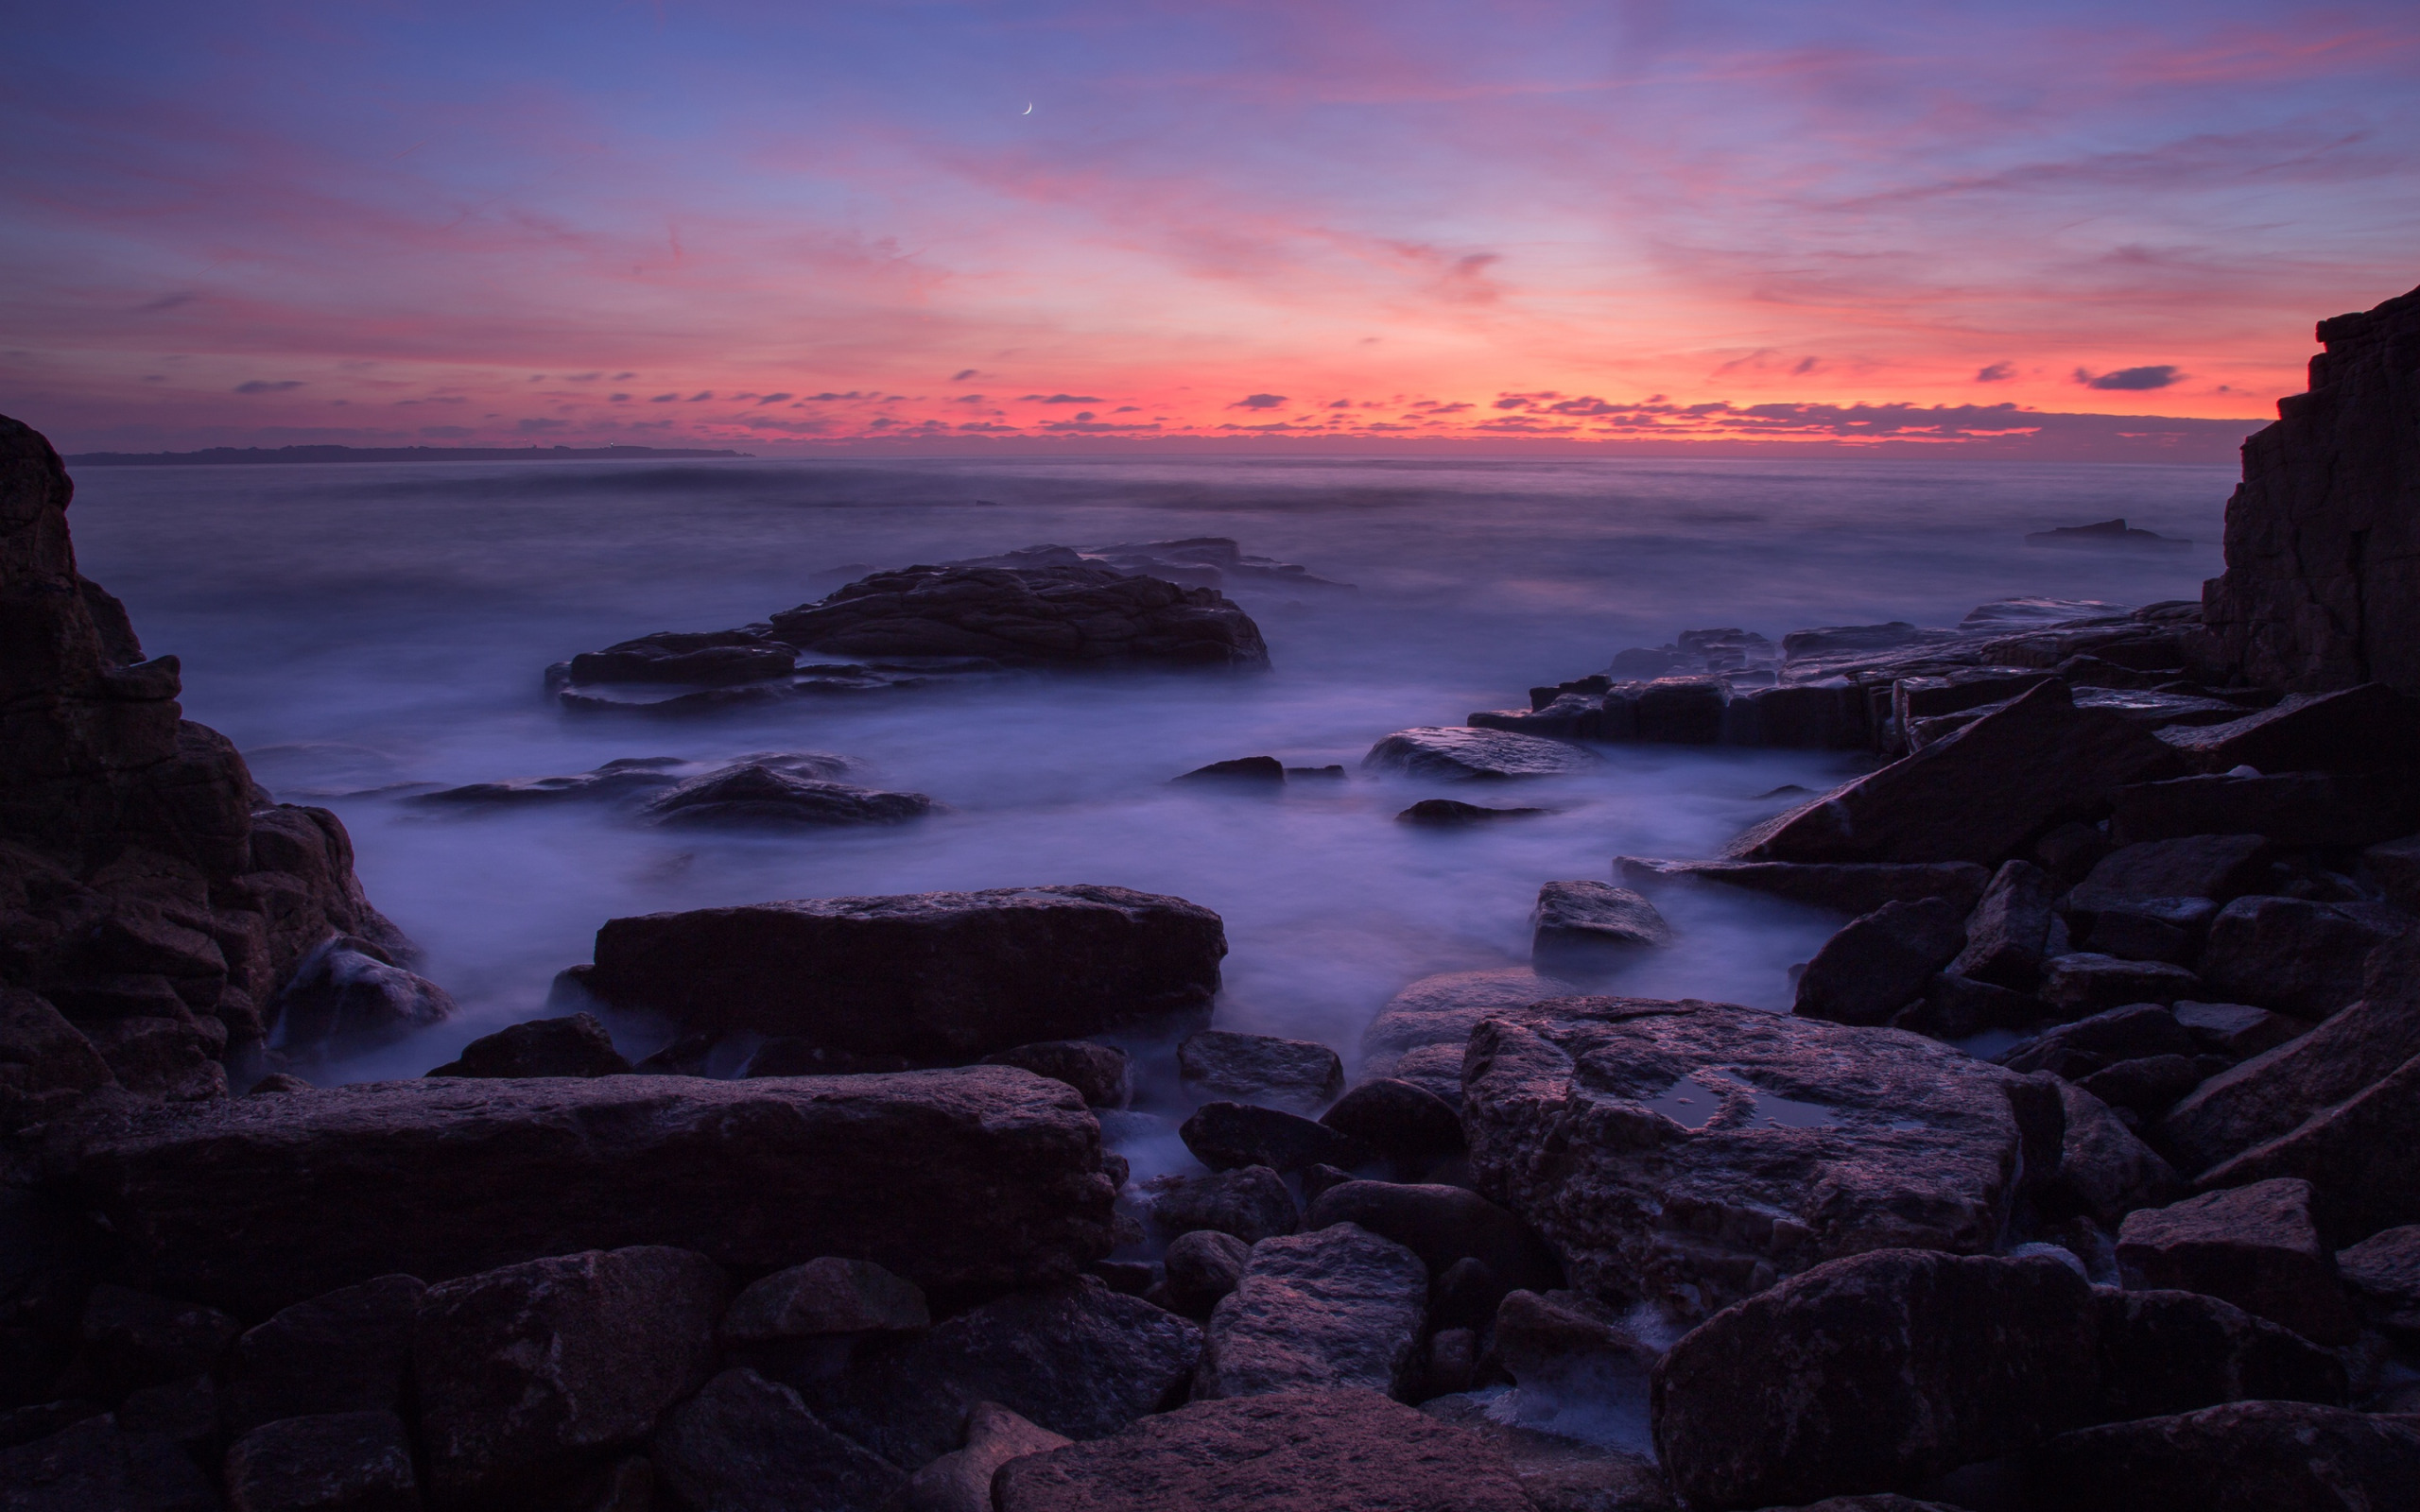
{"x": 1699, "y": 1152}
{"x": 950, "y": 976}
{"x": 1418, "y": 1036}
{"x": 1578, "y": 926}
{"x": 758, "y": 796}
{"x": 1293, "y": 1072}
{"x": 1338, "y": 1307}
{"x": 1287, "y": 1451}
{"x": 970, "y": 1180}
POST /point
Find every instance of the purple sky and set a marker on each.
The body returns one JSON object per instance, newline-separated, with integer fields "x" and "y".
{"x": 793, "y": 226}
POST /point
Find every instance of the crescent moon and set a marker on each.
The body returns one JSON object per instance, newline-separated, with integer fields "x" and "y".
{"x": 1029, "y": 109}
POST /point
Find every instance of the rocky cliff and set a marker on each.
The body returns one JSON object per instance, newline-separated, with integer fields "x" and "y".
{"x": 2323, "y": 537}
{"x": 154, "y": 901}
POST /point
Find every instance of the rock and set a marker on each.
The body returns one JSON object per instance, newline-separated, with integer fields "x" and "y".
{"x": 614, "y": 781}
{"x": 1448, "y": 813}
{"x": 2318, "y": 535}
{"x": 946, "y": 975}
{"x": 2383, "y": 1273}
{"x": 746, "y": 1444}
{"x": 793, "y": 1056}
{"x": 1204, "y": 1266}
{"x": 23, "y": 1425}
{"x": 1398, "y": 1119}
{"x": 1798, "y": 1141}
{"x": 761, "y": 796}
{"x": 183, "y": 1412}
{"x": 1080, "y": 1360}
{"x": 1340, "y": 1307}
{"x": 1251, "y": 1204}
{"x": 1285, "y": 1452}
{"x": 1102, "y": 1073}
{"x": 1956, "y": 1008}
{"x": 1858, "y": 887}
{"x": 2170, "y": 1351}
{"x": 327, "y": 1462}
{"x": 2245, "y": 1457}
{"x": 347, "y": 1351}
{"x": 2254, "y": 1246}
{"x": 1083, "y": 614}
{"x": 2104, "y": 534}
{"x": 1877, "y": 1371}
{"x": 826, "y": 1296}
{"x": 1298, "y": 1072}
{"x": 961, "y": 1481}
{"x": 1223, "y": 1136}
{"x": 967, "y": 1181}
{"x": 1584, "y": 924}
{"x": 574, "y": 1046}
{"x": 1832, "y": 639}
{"x": 2105, "y": 1171}
{"x": 2008, "y": 931}
{"x": 1875, "y": 966}
{"x": 2148, "y": 1084}
{"x": 1418, "y": 1036}
{"x": 2218, "y": 867}
{"x": 2297, "y": 956}
{"x": 1245, "y": 771}
{"x": 1442, "y": 1224}
{"x": 131, "y": 1339}
{"x": 1457, "y": 754}
{"x": 2269, "y": 1095}
{"x": 1976, "y": 794}
{"x": 531, "y": 1373}
{"x": 1561, "y": 1343}
{"x": 1318, "y": 1178}
{"x": 2359, "y": 729}
{"x": 345, "y": 998}
{"x": 714, "y": 659}
{"x": 2288, "y": 808}
{"x": 45, "y": 1065}
{"x": 2081, "y": 983}
{"x": 92, "y": 1464}
{"x": 2152, "y": 929}
{"x": 1561, "y": 1474}
{"x": 2397, "y": 866}
{"x": 2237, "y": 1029}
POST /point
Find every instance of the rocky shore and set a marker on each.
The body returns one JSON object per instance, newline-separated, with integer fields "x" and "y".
{"x": 2085, "y": 1173}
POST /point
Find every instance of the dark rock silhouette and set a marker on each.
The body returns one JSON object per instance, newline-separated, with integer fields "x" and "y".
{"x": 2323, "y": 538}
{"x": 152, "y": 896}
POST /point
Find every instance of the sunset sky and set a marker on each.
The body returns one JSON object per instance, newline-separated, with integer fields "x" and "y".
{"x": 787, "y": 227}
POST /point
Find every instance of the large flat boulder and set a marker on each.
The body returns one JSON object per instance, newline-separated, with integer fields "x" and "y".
{"x": 1876, "y": 1373}
{"x": 937, "y": 975}
{"x": 965, "y": 1181}
{"x": 1975, "y": 795}
{"x": 1458, "y": 754}
{"x": 1699, "y": 1153}
{"x": 1337, "y": 1450}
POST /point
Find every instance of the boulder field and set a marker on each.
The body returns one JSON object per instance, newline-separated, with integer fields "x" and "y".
{"x": 2081, "y": 1174}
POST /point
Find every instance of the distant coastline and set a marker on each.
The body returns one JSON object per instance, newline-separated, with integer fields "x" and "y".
{"x": 233, "y": 455}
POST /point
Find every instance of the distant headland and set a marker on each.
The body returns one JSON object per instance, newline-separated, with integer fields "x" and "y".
{"x": 228, "y": 455}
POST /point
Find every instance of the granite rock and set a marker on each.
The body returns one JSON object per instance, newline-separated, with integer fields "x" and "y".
{"x": 1338, "y": 1307}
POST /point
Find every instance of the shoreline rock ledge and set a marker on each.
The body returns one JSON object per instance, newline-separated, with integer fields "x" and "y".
{"x": 157, "y": 907}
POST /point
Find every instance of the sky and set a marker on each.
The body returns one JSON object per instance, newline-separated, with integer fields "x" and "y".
{"x": 792, "y": 227}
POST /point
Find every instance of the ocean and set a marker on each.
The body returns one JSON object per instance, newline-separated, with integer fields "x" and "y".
{"x": 364, "y": 630}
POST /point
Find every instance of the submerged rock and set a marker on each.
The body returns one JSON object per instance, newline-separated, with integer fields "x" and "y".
{"x": 1702, "y": 1152}
{"x": 759, "y": 796}
{"x": 349, "y": 995}
{"x": 1584, "y": 925}
{"x": 1450, "y": 814}
{"x": 946, "y": 975}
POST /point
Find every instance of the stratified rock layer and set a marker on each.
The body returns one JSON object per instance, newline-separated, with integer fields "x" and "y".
{"x": 966, "y": 1181}
{"x": 2323, "y": 537}
{"x": 1701, "y": 1152}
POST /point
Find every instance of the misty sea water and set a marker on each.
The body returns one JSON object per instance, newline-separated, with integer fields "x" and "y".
{"x": 359, "y": 629}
